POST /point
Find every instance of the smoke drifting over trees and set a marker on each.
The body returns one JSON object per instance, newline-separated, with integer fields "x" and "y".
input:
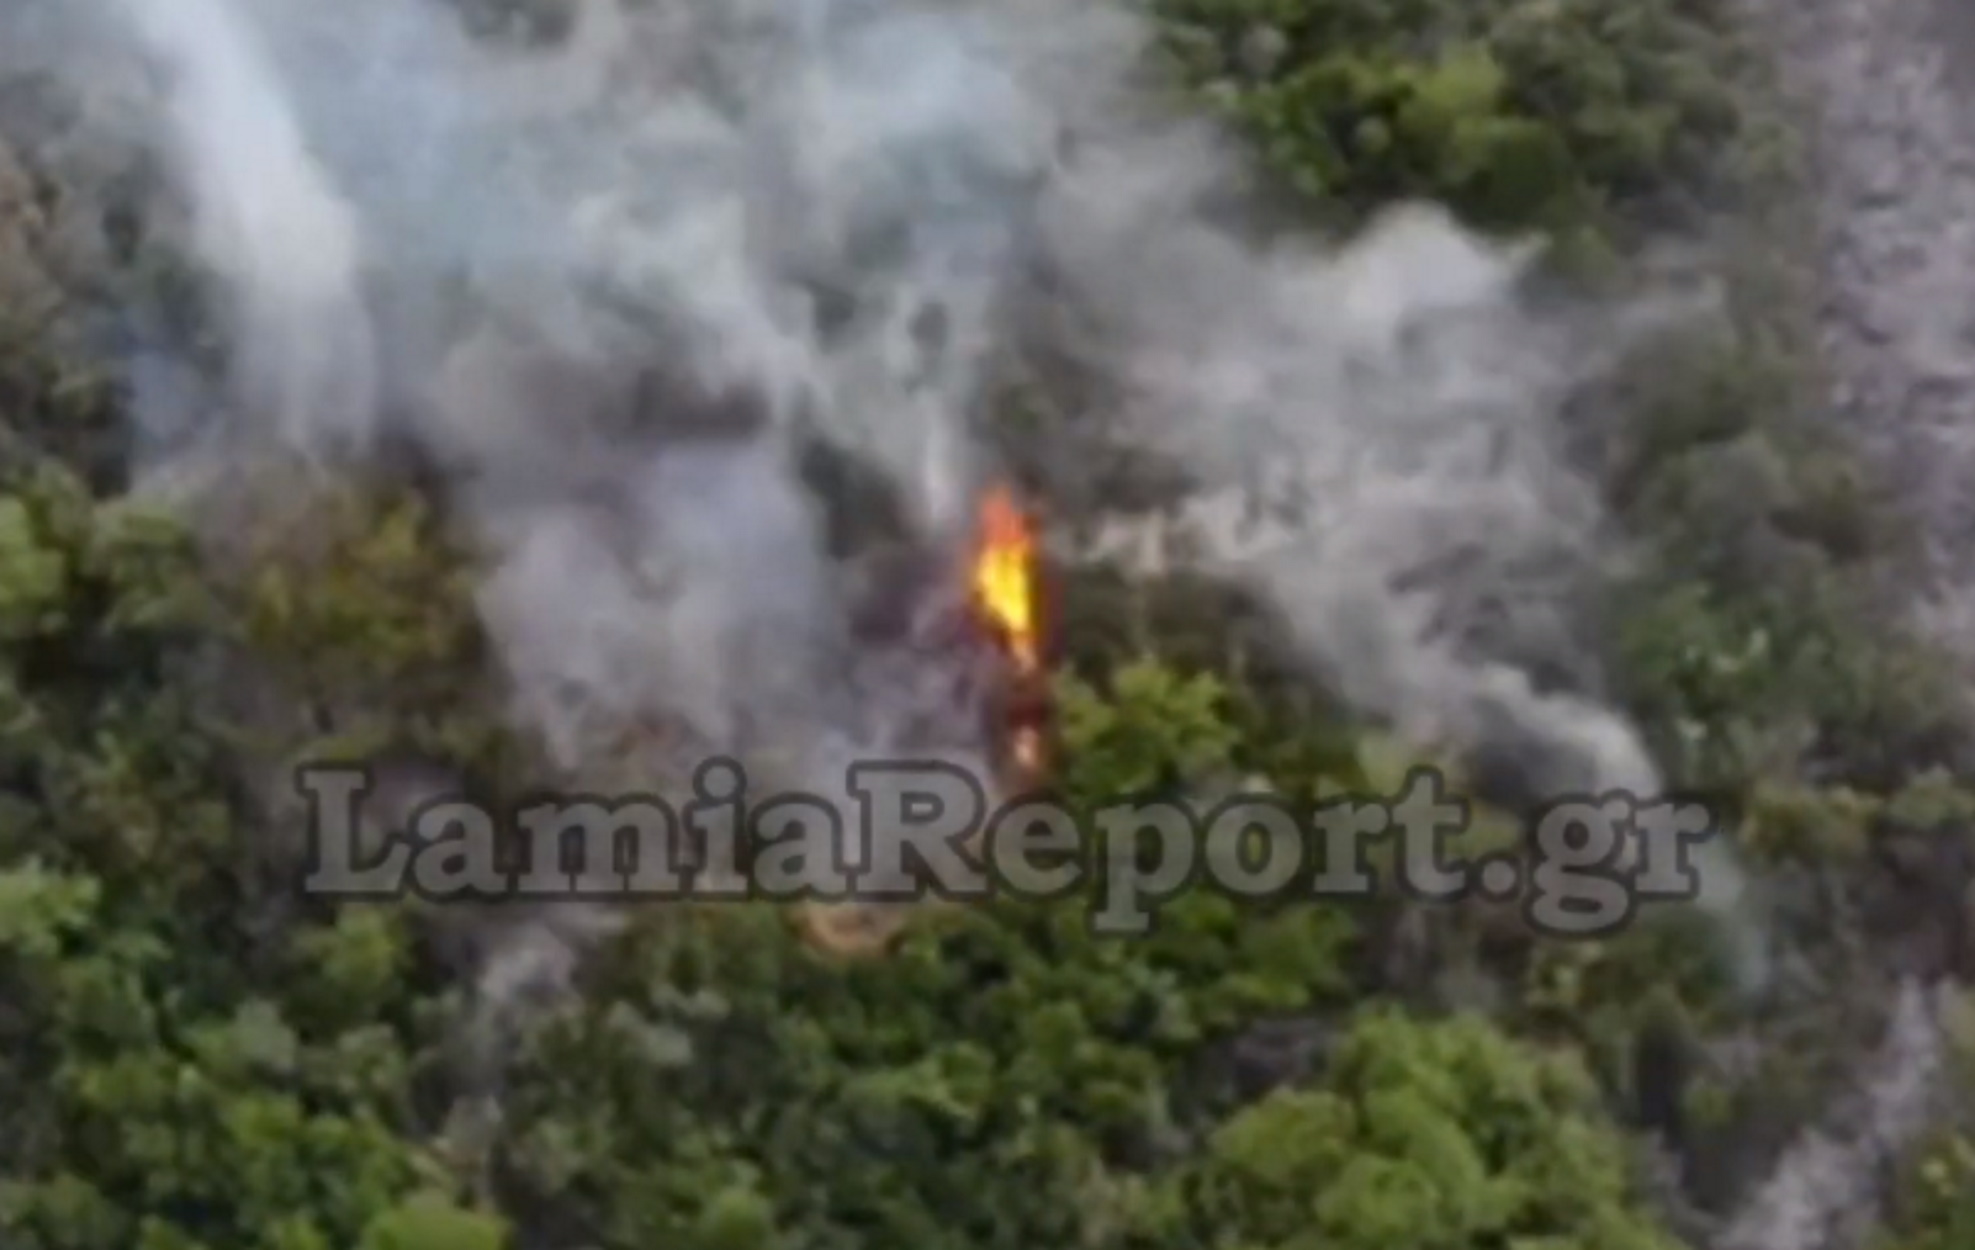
{"x": 566, "y": 404}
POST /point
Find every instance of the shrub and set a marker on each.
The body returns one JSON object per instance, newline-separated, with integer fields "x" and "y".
{"x": 1443, "y": 1135}
{"x": 173, "y": 1078}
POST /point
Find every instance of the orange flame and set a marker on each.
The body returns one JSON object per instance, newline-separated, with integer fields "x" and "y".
{"x": 1004, "y": 573}
{"x": 1005, "y": 585}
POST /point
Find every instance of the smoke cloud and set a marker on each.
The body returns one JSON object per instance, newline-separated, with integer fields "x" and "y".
{"x": 619, "y": 288}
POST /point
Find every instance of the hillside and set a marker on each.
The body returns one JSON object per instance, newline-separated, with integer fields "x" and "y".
{"x": 522, "y": 399}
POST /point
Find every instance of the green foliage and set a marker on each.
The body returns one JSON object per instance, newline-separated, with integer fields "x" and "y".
{"x": 1567, "y": 116}
{"x": 97, "y": 598}
{"x": 1006, "y": 1080}
{"x": 1940, "y": 1200}
{"x": 197, "y": 1060}
{"x": 1439, "y": 125}
{"x": 1747, "y": 649}
{"x": 156, "y": 1098}
{"x": 1438, "y": 1135}
{"x": 1934, "y": 1207}
{"x": 33, "y": 575}
{"x": 430, "y": 1221}
{"x": 1810, "y": 825}
{"x": 1751, "y": 653}
{"x": 1008, "y": 1077}
{"x": 360, "y": 590}
{"x": 1932, "y": 801}
{"x": 1003, "y": 1079}
{"x": 1157, "y": 730}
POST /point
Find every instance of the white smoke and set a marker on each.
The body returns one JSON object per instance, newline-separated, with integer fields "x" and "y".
{"x": 775, "y": 220}
{"x": 1379, "y": 430}
{"x": 1824, "y": 1192}
{"x": 284, "y": 245}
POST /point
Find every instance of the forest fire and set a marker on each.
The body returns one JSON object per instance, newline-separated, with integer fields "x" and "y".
{"x": 1003, "y": 594}
{"x": 1004, "y": 586}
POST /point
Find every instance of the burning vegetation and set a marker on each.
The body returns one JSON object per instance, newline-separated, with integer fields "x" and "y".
{"x": 1004, "y": 614}
{"x": 1004, "y": 590}
{"x": 367, "y": 196}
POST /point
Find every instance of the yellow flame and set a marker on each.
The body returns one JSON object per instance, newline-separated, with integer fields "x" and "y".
{"x": 1004, "y": 574}
{"x": 1004, "y": 582}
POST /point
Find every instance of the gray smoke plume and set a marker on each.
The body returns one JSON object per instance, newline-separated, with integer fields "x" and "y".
{"x": 617, "y": 289}
{"x": 1397, "y": 412}
{"x": 1825, "y": 1191}
{"x": 283, "y": 245}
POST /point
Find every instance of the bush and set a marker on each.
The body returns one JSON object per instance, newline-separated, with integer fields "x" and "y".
{"x": 185, "y": 1065}
{"x": 1444, "y": 1135}
{"x": 1575, "y": 117}
{"x": 1747, "y": 649}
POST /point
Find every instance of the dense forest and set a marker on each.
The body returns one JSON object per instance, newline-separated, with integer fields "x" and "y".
{"x": 198, "y": 1056}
